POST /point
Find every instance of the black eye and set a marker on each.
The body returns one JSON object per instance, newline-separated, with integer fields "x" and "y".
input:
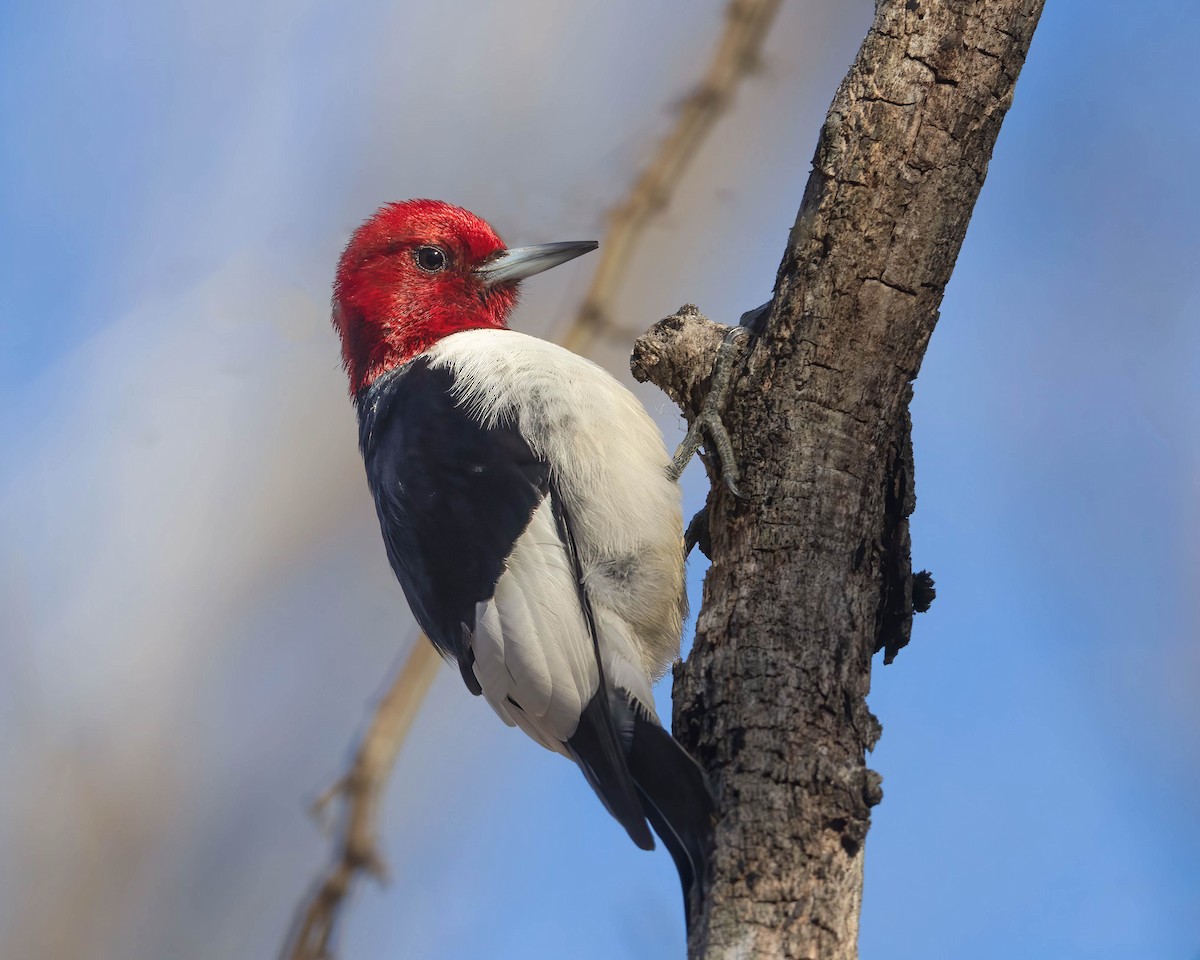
{"x": 430, "y": 259}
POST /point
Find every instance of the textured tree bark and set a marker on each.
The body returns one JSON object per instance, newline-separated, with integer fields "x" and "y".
{"x": 810, "y": 572}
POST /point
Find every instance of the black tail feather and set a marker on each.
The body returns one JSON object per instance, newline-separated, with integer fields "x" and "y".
{"x": 637, "y": 769}
{"x": 677, "y": 802}
{"x": 597, "y": 748}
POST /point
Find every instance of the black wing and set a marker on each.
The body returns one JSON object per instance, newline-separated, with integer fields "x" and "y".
{"x": 452, "y": 497}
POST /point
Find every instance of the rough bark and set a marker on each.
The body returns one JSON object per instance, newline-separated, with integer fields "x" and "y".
{"x": 810, "y": 572}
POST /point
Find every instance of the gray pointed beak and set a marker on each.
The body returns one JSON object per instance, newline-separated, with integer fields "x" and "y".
{"x": 521, "y": 262}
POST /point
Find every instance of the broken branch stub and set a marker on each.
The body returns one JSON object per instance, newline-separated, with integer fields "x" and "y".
{"x": 677, "y": 355}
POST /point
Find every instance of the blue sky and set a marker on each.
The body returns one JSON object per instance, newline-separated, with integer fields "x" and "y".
{"x": 195, "y": 610}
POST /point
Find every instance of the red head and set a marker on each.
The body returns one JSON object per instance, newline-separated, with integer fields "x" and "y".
{"x": 420, "y": 270}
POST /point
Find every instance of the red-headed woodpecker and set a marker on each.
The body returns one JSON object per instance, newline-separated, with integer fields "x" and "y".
{"x": 526, "y": 508}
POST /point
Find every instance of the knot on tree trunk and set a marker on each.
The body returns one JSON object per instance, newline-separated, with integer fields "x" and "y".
{"x": 677, "y": 355}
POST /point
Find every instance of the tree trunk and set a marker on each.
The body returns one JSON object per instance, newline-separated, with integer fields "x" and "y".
{"x": 810, "y": 571}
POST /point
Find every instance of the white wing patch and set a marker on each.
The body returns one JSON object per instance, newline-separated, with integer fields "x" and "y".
{"x": 534, "y": 656}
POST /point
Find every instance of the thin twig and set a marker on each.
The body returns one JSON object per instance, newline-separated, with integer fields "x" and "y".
{"x": 359, "y": 791}
{"x": 736, "y": 56}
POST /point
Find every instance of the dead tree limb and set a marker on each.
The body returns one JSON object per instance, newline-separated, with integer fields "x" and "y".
{"x": 810, "y": 573}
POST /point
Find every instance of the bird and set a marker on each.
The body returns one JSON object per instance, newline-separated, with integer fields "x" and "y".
{"x": 528, "y": 508}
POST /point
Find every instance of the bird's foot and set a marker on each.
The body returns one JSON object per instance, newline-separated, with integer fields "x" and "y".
{"x": 707, "y": 428}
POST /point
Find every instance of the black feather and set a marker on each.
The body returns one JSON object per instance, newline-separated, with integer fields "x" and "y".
{"x": 677, "y": 801}
{"x": 601, "y": 757}
{"x": 627, "y": 756}
{"x": 452, "y": 496}
{"x": 596, "y": 745}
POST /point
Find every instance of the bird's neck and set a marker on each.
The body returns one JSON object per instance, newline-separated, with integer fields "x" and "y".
{"x": 372, "y": 348}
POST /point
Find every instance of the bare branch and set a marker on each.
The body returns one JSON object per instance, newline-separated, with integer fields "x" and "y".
{"x": 736, "y": 56}
{"x": 359, "y": 793}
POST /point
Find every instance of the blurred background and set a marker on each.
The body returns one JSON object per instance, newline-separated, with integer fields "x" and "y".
{"x": 196, "y": 614}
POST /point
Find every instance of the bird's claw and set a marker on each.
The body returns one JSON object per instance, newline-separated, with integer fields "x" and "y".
{"x": 698, "y": 535}
{"x": 708, "y": 423}
{"x": 756, "y": 320}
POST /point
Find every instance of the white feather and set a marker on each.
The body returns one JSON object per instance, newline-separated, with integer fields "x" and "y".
{"x": 489, "y": 667}
{"x": 531, "y": 642}
{"x": 609, "y": 464}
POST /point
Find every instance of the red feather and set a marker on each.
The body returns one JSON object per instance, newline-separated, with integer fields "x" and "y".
{"x": 388, "y": 310}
